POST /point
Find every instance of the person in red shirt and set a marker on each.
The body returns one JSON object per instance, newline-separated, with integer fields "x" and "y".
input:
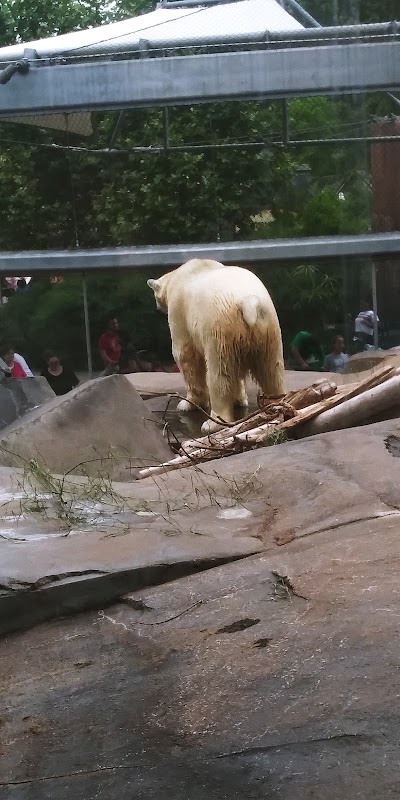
{"x": 16, "y": 365}
{"x": 110, "y": 348}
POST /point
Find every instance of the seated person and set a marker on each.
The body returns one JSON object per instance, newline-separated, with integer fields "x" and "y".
{"x": 307, "y": 351}
{"x": 337, "y": 359}
{"x": 15, "y": 365}
{"x": 61, "y": 378}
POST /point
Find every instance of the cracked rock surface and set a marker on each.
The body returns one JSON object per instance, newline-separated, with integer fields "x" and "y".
{"x": 274, "y": 676}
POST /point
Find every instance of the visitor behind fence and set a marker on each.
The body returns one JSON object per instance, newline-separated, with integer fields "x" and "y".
{"x": 337, "y": 358}
{"x": 13, "y": 364}
{"x": 110, "y": 348}
{"x": 364, "y": 326}
{"x": 307, "y": 351}
{"x": 60, "y": 377}
{"x": 21, "y": 286}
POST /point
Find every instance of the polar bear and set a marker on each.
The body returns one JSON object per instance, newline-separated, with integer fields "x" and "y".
{"x": 223, "y": 327}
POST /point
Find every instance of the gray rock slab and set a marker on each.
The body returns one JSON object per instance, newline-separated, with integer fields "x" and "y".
{"x": 59, "y": 557}
{"x": 8, "y": 407}
{"x": 88, "y": 552}
{"x": 273, "y": 677}
{"x": 152, "y": 383}
{"x": 19, "y": 395}
{"x": 30, "y": 392}
{"x": 61, "y": 580}
{"x": 101, "y": 427}
{"x": 372, "y": 359}
{"x": 323, "y": 482}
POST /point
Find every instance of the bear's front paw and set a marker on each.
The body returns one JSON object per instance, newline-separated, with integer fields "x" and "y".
{"x": 210, "y": 426}
{"x": 242, "y": 402}
{"x": 184, "y": 405}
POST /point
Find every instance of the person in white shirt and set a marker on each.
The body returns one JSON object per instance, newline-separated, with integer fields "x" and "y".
{"x": 364, "y": 325}
{"x": 13, "y": 364}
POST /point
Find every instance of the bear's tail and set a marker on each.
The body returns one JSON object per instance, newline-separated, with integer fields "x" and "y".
{"x": 251, "y": 308}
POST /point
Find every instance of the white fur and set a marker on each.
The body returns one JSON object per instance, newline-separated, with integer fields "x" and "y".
{"x": 183, "y": 405}
{"x": 223, "y": 326}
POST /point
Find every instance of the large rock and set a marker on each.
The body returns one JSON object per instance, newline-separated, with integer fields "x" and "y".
{"x": 372, "y": 359}
{"x": 19, "y": 395}
{"x": 141, "y": 532}
{"x": 101, "y": 427}
{"x": 272, "y": 678}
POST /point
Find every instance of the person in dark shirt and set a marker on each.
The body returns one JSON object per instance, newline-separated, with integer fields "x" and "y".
{"x": 61, "y": 378}
{"x": 22, "y": 285}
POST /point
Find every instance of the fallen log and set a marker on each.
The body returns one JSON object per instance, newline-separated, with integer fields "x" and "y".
{"x": 342, "y": 395}
{"x": 356, "y": 410}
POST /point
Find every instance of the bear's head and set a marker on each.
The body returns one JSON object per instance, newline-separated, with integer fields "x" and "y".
{"x": 159, "y": 287}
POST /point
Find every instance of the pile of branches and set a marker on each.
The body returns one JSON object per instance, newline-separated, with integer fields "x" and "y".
{"x": 274, "y": 418}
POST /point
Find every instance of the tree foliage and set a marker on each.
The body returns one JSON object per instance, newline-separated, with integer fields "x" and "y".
{"x": 351, "y": 12}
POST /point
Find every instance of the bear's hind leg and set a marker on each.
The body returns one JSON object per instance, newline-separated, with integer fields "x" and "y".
{"x": 240, "y": 395}
{"x": 193, "y": 369}
{"x": 269, "y": 372}
{"x": 221, "y": 386}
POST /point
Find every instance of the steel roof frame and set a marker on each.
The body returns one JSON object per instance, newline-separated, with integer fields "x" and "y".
{"x": 252, "y": 74}
{"x": 377, "y": 246}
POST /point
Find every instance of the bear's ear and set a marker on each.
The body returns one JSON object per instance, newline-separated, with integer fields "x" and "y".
{"x": 153, "y": 284}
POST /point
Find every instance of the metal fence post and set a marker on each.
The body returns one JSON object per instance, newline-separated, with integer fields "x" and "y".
{"x": 87, "y": 326}
{"x": 374, "y": 305}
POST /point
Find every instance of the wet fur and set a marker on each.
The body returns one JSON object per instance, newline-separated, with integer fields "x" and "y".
{"x": 223, "y": 327}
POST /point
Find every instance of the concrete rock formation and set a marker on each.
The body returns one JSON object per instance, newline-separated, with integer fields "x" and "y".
{"x": 275, "y": 676}
{"x": 372, "y": 359}
{"x": 17, "y": 396}
{"x": 102, "y": 425}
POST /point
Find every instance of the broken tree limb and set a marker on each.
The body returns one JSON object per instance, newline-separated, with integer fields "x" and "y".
{"x": 320, "y": 390}
{"x": 356, "y": 410}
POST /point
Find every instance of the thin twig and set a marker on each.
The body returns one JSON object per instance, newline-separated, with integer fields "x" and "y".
{"x": 175, "y": 616}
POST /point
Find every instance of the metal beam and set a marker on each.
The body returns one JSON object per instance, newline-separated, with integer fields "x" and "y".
{"x": 301, "y": 13}
{"x": 371, "y": 245}
{"x": 330, "y": 69}
{"x": 87, "y": 326}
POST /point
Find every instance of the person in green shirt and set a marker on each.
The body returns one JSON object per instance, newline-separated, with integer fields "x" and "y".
{"x": 307, "y": 351}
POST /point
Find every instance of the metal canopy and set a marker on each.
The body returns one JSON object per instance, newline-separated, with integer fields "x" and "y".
{"x": 165, "y": 24}
{"x": 370, "y": 245}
